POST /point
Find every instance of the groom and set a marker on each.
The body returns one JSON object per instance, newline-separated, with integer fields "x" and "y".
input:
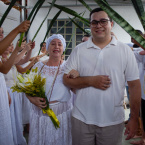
{"x": 104, "y": 64}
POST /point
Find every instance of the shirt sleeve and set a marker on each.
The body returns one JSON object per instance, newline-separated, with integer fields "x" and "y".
{"x": 72, "y": 62}
{"x": 131, "y": 71}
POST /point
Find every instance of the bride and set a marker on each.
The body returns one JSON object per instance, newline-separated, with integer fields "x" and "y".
{"x": 42, "y": 130}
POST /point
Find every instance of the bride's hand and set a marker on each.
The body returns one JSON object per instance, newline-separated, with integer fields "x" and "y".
{"x": 39, "y": 102}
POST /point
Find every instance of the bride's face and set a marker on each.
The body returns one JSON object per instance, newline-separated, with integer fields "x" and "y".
{"x": 55, "y": 48}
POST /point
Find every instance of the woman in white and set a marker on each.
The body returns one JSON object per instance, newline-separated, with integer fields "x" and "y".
{"x": 5, "y": 121}
{"x": 42, "y": 130}
{"x": 6, "y": 137}
{"x": 16, "y": 98}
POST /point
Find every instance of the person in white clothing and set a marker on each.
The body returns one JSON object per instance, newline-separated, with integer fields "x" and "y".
{"x": 16, "y": 99}
{"x": 139, "y": 54}
{"x": 98, "y": 113}
{"x": 43, "y": 53}
{"x": 42, "y": 130}
{"x": 6, "y": 136}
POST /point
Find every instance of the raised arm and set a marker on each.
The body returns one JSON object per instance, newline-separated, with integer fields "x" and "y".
{"x": 5, "y": 67}
{"x": 26, "y": 58}
{"x": 23, "y": 27}
{"x": 21, "y": 54}
{"x": 29, "y": 66}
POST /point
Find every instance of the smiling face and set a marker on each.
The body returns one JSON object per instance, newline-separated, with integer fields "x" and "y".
{"x": 1, "y": 33}
{"x": 101, "y": 32}
{"x": 55, "y": 48}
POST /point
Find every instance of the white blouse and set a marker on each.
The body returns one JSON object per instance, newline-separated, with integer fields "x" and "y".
{"x": 60, "y": 92}
{"x": 11, "y": 77}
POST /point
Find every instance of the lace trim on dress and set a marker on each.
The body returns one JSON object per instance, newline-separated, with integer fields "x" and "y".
{"x": 49, "y": 70}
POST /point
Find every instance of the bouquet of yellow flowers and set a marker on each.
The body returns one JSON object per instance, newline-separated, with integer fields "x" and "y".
{"x": 33, "y": 84}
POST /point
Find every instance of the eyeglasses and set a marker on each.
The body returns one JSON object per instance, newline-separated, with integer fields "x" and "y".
{"x": 102, "y": 22}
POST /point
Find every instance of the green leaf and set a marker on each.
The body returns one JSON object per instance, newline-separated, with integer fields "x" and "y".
{"x": 87, "y": 6}
{"x": 71, "y": 12}
{"x": 7, "y": 11}
{"x": 79, "y": 26}
{"x": 73, "y": 32}
{"x": 43, "y": 20}
{"x": 138, "y": 6}
{"x": 21, "y": 38}
{"x": 29, "y": 17}
{"x": 68, "y": 43}
{"x": 33, "y": 10}
{"x": 50, "y": 25}
{"x": 36, "y": 11}
{"x": 65, "y": 24}
{"x": 121, "y": 22}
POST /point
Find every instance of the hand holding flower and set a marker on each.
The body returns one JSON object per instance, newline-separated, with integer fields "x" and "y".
{"x": 37, "y": 101}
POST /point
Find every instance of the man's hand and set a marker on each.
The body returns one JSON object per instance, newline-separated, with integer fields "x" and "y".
{"x": 101, "y": 82}
{"x": 131, "y": 128}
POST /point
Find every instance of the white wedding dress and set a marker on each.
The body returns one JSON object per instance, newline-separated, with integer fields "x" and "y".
{"x": 6, "y": 137}
{"x": 42, "y": 130}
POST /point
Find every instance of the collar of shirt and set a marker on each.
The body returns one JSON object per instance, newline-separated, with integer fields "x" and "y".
{"x": 90, "y": 44}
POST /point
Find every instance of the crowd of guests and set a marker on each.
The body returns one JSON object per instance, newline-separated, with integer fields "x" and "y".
{"x": 94, "y": 75}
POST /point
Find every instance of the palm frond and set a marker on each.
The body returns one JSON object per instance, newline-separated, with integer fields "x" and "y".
{"x": 138, "y": 6}
{"x": 49, "y": 27}
{"x": 69, "y": 42}
{"x": 79, "y": 26}
{"x": 71, "y": 12}
{"x": 36, "y": 11}
{"x": 29, "y": 17}
{"x": 84, "y": 3}
{"x": 44, "y": 20}
{"x": 65, "y": 24}
{"x": 121, "y": 22}
{"x": 7, "y": 11}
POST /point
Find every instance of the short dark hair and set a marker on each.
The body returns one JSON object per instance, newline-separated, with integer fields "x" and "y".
{"x": 98, "y": 10}
{"x": 41, "y": 44}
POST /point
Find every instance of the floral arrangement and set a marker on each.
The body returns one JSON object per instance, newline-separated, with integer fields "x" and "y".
{"x": 33, "y": 84}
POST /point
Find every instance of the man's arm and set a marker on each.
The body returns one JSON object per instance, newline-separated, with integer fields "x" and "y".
{"x": 99, "y": 82}
{"x": 135, "y": 99}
